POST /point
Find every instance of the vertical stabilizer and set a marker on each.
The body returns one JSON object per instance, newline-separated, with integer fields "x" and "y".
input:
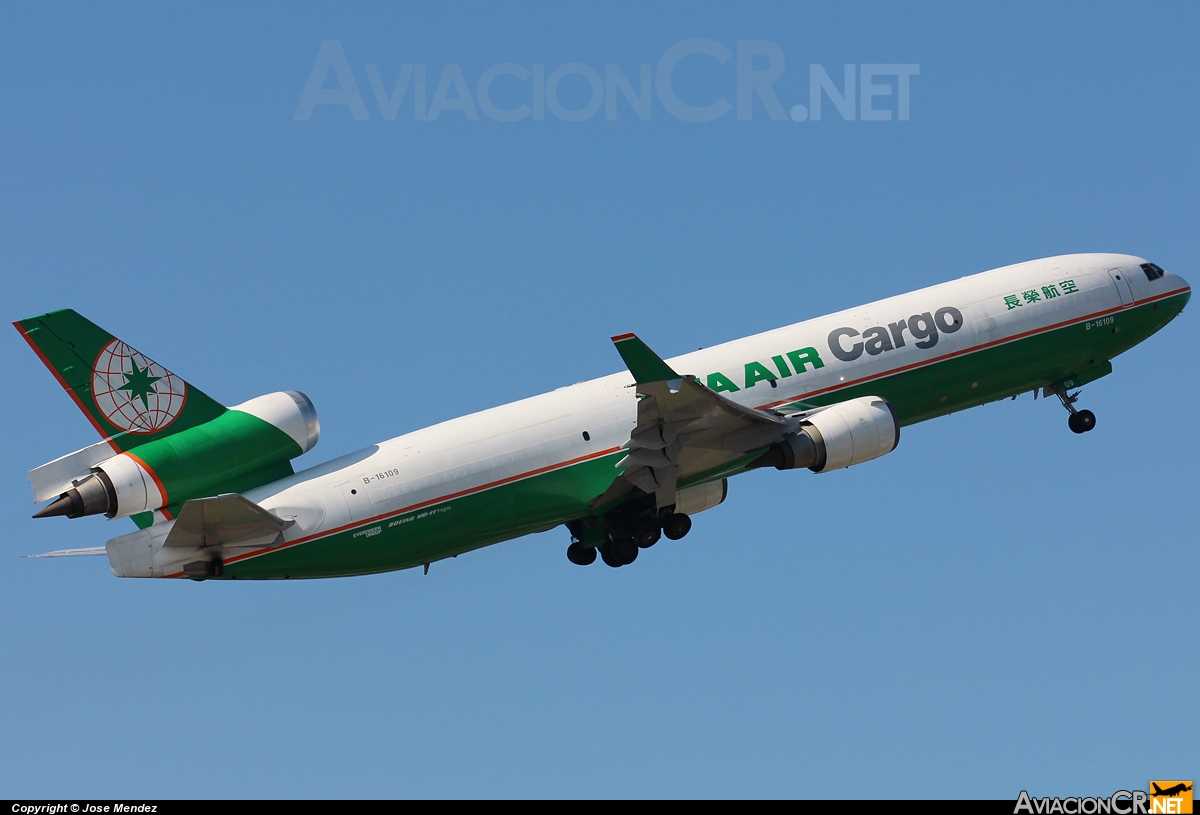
{"x": 129, "y": 398}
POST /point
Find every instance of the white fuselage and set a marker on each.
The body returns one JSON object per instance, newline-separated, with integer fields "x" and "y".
{"x": 543, "y": 432}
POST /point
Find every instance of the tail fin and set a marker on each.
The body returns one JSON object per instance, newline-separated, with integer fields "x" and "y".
{"x": 1157, "y": 789}
{"x": 129, "y": 398}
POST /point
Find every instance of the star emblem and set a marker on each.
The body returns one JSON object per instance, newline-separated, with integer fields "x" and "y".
{"x": 139, "y": 383}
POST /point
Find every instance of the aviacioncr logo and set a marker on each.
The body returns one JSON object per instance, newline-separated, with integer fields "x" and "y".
{"x": 134, "y": 392}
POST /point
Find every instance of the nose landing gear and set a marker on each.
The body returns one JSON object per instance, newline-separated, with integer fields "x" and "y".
{"x": 1081, "y": 421}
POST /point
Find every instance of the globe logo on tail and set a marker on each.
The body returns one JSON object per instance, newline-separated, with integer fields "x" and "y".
{"x": 134, "y": 392}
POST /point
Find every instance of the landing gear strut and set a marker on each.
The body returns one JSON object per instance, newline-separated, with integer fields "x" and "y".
{"x": 1081, "y": 421}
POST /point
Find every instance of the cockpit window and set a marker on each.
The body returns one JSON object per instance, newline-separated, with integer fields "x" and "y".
{"x": 1153, "y": 271}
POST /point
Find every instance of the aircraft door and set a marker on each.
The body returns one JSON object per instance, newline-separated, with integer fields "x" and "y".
{"x": 1121, "y": 280}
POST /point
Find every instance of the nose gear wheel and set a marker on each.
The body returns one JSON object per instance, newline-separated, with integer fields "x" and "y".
{"x": 1080, "y": 421}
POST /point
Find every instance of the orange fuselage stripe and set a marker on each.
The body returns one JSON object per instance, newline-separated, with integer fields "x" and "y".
{"x": 157, "y": 481}
{"x": 839, "y": 386}
{"x": 972, "y": 349}
{"x": 422, "y": 504}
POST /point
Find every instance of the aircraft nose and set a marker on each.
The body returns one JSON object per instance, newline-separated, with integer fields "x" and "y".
{"x": 1174, "y": 283}
{"x": 1180, "y": 283}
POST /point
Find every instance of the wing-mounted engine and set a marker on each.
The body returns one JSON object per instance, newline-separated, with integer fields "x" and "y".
{"x": 685, "y": 430}
{"x": 246, "y": 446}
{"x": 688, "y": 438}
{"x": 692, "y": 500}
{"x": 837, "y": 437}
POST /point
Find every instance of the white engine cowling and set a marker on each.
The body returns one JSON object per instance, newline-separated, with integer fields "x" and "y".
{"x": 852, "y": 432}
{"x": 290, "y": 411}
{"x": 701, "y": 497}
{"x": 133, "y": 489}
{"x": 117, "y": 486}
{"x": 194, "y": 462}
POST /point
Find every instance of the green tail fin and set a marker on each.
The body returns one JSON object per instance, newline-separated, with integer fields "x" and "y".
{"x": 127, "y": 397}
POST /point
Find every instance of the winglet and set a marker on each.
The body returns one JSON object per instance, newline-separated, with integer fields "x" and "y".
{"x": 645, "y": 365}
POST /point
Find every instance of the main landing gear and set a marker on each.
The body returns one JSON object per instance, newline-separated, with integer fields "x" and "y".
{"x": 621, "y": 534}
{"x": 1081, "y": 421}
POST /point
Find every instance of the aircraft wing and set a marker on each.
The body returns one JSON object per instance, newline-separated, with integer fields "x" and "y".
{"x": 683, "y": 428}
{"x": 226, "y": 520}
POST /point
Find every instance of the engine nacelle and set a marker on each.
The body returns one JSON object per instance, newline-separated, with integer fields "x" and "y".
{"x": 247, "y": 445}
{"x": 289, "y": 411}
{"x": 695, "y": 499}
{"x": 839, "y": 436}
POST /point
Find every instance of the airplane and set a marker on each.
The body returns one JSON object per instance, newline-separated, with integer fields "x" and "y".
{"x": 1170, "y": 792}
{"x": 620, "y": 461}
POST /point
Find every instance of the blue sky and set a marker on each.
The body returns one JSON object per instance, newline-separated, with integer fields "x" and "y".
{"x": 998, "y": 605}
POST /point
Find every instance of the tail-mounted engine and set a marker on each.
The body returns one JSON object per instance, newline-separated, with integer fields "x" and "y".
{"x": 838, "y": 436}
{"x": 245, "y": 446}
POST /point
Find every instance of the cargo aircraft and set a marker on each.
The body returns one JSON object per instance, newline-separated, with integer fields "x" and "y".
{"x": 619, "y": 461}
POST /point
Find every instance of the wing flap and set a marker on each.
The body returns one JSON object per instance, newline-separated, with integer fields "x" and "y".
{"x": 683, "y": 428}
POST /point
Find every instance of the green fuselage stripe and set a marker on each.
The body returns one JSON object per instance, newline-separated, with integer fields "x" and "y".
{"x": 544, "y": 498}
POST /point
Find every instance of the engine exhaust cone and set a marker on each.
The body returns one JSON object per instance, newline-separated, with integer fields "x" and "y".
{"x": 63, "y": 505}
{"x": 91, "y": 496}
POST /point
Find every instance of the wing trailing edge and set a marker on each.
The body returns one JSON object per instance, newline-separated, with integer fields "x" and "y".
{"x": 684, "y": 429}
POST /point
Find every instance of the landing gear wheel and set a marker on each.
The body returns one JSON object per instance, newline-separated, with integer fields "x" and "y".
{"x": 1082, "y": 421}
{"x": 646, "y": 534}
{"x": 676, "y": 526}
{"x": 625, "y": 549}
{"x": 581, "y": 555}
{"x": 620, "y": 552}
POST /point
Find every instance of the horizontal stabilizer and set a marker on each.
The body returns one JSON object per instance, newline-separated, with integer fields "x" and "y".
{"x": 52, "y": 479}
{"x": 91, "y": 551}
{"x": 227, "y": 520}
